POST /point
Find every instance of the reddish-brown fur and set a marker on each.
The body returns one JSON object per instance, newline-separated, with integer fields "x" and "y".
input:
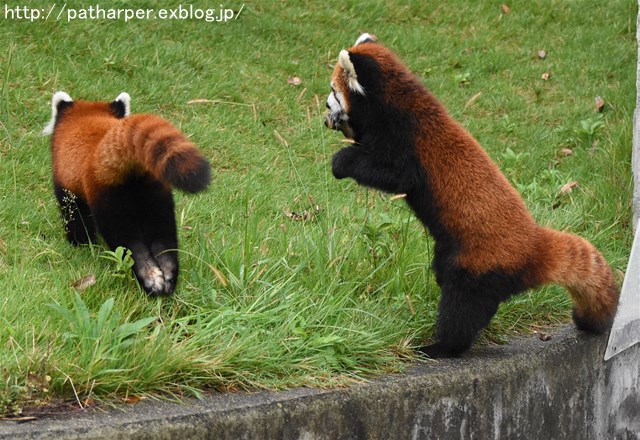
{"x": 113, "y": 174}
{"x": 488, "y": 215}
{"x": 95, "y": 150}
{"x": 472, "y": 201}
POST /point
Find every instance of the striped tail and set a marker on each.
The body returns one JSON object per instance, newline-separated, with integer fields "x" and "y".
{"x": 153, "y": 144}
{"x": 576, "y": 264}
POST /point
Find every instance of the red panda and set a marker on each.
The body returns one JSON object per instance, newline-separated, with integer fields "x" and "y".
{"x": 487, "y": 245}
{"x": 113, "y": 173}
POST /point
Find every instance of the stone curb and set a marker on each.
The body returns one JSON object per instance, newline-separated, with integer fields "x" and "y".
{"x": 527, "y": 389}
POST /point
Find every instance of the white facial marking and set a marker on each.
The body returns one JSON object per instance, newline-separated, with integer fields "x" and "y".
{"x": 57, "y": 98}
{"x": 126, "y": 100}
{"x": 333, "y": 103}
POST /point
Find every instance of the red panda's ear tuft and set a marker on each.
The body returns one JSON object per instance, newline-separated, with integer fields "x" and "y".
{"x": 344, "y": 61}
{"x": 59, "y": 102}
{"x": 122, "y": 105}
{"x": 365, "y": 38}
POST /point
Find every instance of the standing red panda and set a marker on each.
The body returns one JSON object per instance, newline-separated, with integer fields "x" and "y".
{"x": 487, "y": 245}
{"x": 112, "y": 174}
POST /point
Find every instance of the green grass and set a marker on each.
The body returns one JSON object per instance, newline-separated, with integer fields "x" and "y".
{"x": 266, "y": 301}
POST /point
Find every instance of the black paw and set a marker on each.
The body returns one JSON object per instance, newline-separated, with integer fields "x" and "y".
{"x": 156, "y": 279}
{"x": 342, "y": 163}
{"x": 438, "y": 351}
{"x": 155, "y": 282}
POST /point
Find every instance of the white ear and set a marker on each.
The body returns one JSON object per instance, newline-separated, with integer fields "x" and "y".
{"x": 58, "y": 97}
{"x": 365, "y": 38}
{"x": 350, "y": 71}
{"x": 126, "y": 100}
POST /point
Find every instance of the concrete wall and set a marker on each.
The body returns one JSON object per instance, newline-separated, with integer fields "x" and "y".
{"x": 530, "y": 389}
{"x": 636, "y": 137}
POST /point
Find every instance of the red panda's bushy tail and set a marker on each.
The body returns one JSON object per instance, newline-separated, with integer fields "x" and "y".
{"x": 153, "y": 144}
{"x": 576, "y": 264}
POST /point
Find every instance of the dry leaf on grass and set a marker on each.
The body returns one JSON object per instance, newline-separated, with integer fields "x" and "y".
{"x": 306, "y": 214}
{"x": 545, "y": 76}
{"x": 84, "y": 283}
{"x": 301, "y": 216}
{"x": 542, "y": 54}
{"x": 599, "y": 104}
{"x": 568, "y": 187}
{"x": 505, "y": 8}
{"x": 294, "y": 80}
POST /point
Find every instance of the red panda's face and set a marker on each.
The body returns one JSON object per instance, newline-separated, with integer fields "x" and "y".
{"x": 338, "y": 104}
{"x": 344, "y": 83}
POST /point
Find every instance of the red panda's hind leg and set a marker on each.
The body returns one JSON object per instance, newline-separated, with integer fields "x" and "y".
{"x": 157, "y": 279}
{"x": 462, "y": 314}
{"x": 467, "y": 304}
{"x": 139, "y": 215}
{"x": 165, "y": 253}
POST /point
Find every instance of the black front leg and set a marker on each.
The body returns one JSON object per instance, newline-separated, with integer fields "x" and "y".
{"x": 343, "y": 163}
{"x": 368, "y": 169}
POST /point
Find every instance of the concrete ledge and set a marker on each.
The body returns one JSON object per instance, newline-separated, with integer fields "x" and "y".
{"x": 559, "y": 389}
{"x": 635, "y": 153}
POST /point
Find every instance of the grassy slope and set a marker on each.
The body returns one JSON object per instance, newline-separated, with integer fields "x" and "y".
{"x": 263, "y": 300}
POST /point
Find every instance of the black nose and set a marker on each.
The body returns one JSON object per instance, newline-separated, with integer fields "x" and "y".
{"x": 327, "y": 104}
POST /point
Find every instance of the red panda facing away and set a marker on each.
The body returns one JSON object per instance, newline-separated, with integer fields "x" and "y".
{"x": 487, "y": 245}
{"x": 113, "y": 173}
